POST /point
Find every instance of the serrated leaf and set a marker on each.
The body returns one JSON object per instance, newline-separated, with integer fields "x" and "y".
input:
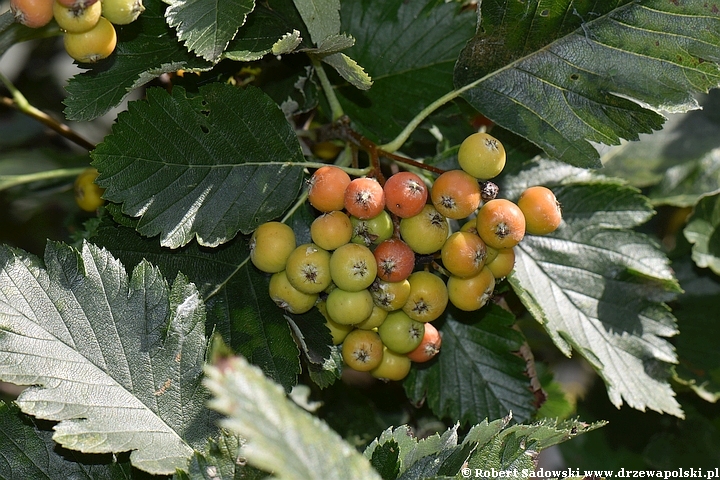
{"x": 146, "y": 49}
{"x": 281, "y": 437}
{"x": 207, "y": 26}
{"x": 588, "y": 75}
{"x": 385, "y": 460}
{"x": 287, "y": 43}
{"x": 238, "y": 305}
{"x": 349, "y": 69}
{"x": 335, "y": 43}
{"x": 408, "y": 49}
{"x": 322, "y": 18}
{"x": 29, "y": 452}
{"x": 493, "y": 380}
{"x": 116, "y": 360}
{"x": 268, "y": 23}
{"x": 600, "y": 288}
{"x": 220, "y": 460}
{"x": 203, "y": 167}
{"x": 703, "y": 232}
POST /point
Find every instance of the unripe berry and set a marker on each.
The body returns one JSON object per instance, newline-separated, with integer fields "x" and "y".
{"x": 91, "y": 46}
{"x": 394, "y": 366}
{"x": 362, "y": 350}
{"x": 471, "y": 293}
{"x": 426, "y": 232}
{"x": 482, "y": 156}
{"x": 122, "y": 12}
{"x": 331, "y": 230}
{"x": 428, "y": 297}
{"x": 270, "y": 246}
{"x": 288, "y": 297}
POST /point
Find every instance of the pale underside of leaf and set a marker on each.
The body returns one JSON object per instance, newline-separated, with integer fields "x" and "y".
{"x": 73, "y": 333}
{"x": 349, "y": 70}
{"x": 322, "y": 18}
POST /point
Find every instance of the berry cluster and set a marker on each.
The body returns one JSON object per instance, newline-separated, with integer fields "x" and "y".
{"x": 88, "y": 25}
{"x": 368, "y": 268}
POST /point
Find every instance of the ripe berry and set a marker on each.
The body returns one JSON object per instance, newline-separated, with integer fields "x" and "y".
{"x": 288, "y": 297}
{"x": 77, "y": 19}
{"x": 362, "y": 350}
{"x": 400, "y": 333}
{"x": 270, "y": 246}
{"x": 364, "y": 198}
{"x": 373, "y": 230}
{"x": 91, "y": 46}
{"x": 501, "y": 223}
{"x": 390, "y": 295}
{"x": 482, "y": 156}
{"x": 541, "y": 210}
{"x": 394, "y": 366}
{"x": 405, "y": 194}
{"x": 353, "y": 267}
{"x": 463, "y": 254}
{"x": 308, "y": 268}
{"x": 428, "y": 297}
{"x": 471, "y": 293}
{"x": 502, "y": 263}
{"x": 455, "y": 194}
{"x": 88, "y": 195}
{"x": 395, "y": 260}
{"x": 327, "y": 188}
{"x": 122, "y": 12}
{"x": 429, "y": 346}
{"x": 32, "y": 13}
{"x": 349, "y": 308}
{"x": 331, "y": 230}
{"x": 426, "y": 232}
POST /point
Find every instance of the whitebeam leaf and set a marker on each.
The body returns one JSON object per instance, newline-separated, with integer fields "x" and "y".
{"x": 116, "y": 360}
{"x": 281, "y": 437}
{"x": 599, "y": 287}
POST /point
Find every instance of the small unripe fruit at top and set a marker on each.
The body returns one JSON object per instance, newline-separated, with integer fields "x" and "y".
{"x": 541, "y": 209}
{"x": 270, "y": 246}
{"x": 364, "y": 198}
{"x": 405, "y": 194}
{"x": 32, "y": 13}
{"x": 327, "y": 188}
{"x": 482, "y": 156}
{"x": 94, "y": 45}
{"x": 122, "y": 12}
{"x": 77, "y": 19}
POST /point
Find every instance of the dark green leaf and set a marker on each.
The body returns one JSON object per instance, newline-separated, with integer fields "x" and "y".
{"x": 207, "y": 26}
{"x": 684, "y": 184}
{"x": 703, "y": 232}
{"x": 12, "y": 32}
{"x": 385, "y": 460}
{"x": 221, "y": 460}
{"x": 29, "y": 452}
{"x": 116, "y": 360}
{"x": 146, "y": 49}
{"x": 477, "y": 374}
{"x": 408, "y": 49}
{"x": 201, "y": 167}
{"x": 326, "y": 374}
{"x": 600, "y": 288}
{"x": 559, "y": 75}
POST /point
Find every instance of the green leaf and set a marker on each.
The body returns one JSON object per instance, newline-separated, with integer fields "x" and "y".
{"x": 684, "y": 184}
{"x": 703, "y": 232}
{"x": 201, "y": 167}
{"x": 146, "y": 49}
{"x": 572, "y": 63}
{"x": 408, "y": 49}
{"x": 12, "y": 32}
{"x": 478, "y": 374}
{"x": 117, "y": 361}
{"x": 600, "y": 288}
{"x": 237, "y": 303}
{"x": 220, "y": 461}
{"x": 29, "y": 452}
{"x": 349, "y": 70}
{"x": 207, "y": 26}
{"x": 281, "y": 437}
{"x": 322, "y": 18}
{"x": 385, "y": 459}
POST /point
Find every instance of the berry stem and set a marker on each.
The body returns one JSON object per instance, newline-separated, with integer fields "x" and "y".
{"x": 398, "y": 142}
{"x": 8, "y": 181}
{"x": 20, "y": 103}
{"x": 337, "y": 111}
